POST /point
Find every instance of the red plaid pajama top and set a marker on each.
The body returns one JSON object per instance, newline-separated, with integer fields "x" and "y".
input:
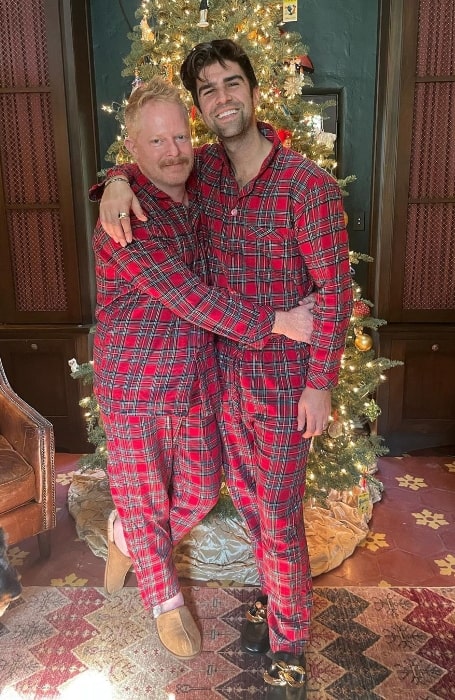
{"x": 279, "y": 238}
{"x": 276, "y": 240}
{"x": 147, "y": 350}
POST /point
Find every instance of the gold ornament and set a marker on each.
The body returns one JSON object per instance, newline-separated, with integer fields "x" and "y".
{"x": 123, "y": 156}
{"x": 363, "y": 342}
{"x": 147, "y": 33}
{"x": 169, "y": 72}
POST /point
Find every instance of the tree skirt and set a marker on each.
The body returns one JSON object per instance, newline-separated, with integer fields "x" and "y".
{"x": 219, "y": 548}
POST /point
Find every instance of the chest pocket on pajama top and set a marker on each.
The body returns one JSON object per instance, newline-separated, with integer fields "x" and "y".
{"x": 268, "y": 259}
{"x": 276, "y": 253}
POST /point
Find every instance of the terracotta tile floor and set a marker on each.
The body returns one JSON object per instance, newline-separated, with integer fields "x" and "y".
{"x": 411, "y": 540}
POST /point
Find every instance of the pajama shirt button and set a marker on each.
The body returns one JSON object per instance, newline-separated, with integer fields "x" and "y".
{"x": 234, "y": 212}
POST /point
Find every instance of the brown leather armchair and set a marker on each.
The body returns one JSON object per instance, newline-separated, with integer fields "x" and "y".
{"x": 27, "y": 470}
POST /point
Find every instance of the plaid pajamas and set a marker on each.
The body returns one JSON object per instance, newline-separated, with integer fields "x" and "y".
{"x": 265, "y": 457}
{"x": 273, "y": 241}
{"x": 150, "y": 295}
{"x": 165, "y": 476}
{"x": 156, "y": 379}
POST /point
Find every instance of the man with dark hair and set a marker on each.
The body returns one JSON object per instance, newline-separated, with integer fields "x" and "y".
{"x": 275, "y": 232}
{"x": 219, "y": 50}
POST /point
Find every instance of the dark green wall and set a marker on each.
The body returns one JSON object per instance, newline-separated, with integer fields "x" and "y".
{"x": 342, "y": 41}
{"x": 110, "y": 29}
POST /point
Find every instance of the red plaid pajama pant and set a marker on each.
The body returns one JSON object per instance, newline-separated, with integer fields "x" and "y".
{"x": 164, "y": 476}
{"x": 265, "y": 467}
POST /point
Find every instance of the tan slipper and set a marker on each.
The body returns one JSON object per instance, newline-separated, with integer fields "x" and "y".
{"x": 117, "y": 563}
{"x": 178, "y": 633}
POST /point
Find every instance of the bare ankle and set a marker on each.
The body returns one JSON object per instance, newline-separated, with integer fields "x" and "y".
{"x": 171, "y": 604}
{"x": 119, "y": 537}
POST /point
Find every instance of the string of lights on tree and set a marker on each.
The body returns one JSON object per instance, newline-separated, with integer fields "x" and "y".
{"x": 346, "y": 454}
{"x": 167, "y": 31}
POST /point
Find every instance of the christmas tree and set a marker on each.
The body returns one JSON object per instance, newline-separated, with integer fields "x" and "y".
{"x": 168, "y": 30}
{"x": 346, "y": 454}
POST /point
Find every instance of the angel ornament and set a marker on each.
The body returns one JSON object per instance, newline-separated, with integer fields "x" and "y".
{"x": 203, "y": 11}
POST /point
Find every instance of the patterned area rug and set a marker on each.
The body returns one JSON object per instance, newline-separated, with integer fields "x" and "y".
{"x": 367, "y": 643}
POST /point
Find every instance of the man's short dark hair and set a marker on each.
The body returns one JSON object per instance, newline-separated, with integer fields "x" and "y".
{"x": 208, "y": 53}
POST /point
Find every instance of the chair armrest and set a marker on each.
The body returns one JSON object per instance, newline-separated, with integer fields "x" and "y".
{"x": 29, "y": 434}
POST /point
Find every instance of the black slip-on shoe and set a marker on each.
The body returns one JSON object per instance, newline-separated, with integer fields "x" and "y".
{"x": 286, "y": 678}
{"x": 254, "y": 636}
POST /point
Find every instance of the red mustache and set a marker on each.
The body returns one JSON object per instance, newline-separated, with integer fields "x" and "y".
{"x": 175, "y": 161}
